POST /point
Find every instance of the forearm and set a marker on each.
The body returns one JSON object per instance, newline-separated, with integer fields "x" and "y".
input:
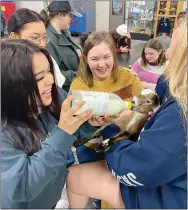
{"x": 26, "y": 179}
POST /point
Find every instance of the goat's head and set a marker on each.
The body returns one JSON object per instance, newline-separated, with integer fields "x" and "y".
{"x": 145, "y": 102}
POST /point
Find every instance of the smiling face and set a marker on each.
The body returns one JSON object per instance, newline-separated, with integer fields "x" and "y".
{"x": 151, "y": 55}
{"x": 100, "y": 60}
{"x": 44, "y": 78}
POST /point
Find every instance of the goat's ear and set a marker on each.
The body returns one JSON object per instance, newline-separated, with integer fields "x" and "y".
{"x": 156, "y": 100}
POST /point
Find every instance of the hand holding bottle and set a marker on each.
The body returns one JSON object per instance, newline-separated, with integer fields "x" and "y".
{"x": 99, "y": 121}
{"x": 122, "y": 116}
{"x": 68, "y": 122}
{"x": 118, "y": 118}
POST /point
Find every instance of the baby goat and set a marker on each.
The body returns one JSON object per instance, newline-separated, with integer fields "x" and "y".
{"x": 130, "y": 127}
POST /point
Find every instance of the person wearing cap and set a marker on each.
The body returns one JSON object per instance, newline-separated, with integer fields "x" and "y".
{"x": 122, "y": 39}
{"x": 58, "y": 16}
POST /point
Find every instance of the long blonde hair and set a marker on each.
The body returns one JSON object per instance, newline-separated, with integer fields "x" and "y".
{"x": 94, "y": 39}
{"x": 176, "y": 73}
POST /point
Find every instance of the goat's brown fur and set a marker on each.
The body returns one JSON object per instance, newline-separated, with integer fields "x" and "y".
{"x": 130, "y": 126}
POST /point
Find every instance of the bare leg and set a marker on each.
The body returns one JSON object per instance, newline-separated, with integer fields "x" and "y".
{"x": 95, "y": 181}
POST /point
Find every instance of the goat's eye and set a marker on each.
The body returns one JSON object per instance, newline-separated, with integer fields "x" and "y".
{"x": 148, "y": 102}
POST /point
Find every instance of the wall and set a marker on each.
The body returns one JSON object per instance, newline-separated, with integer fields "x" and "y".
{"x": 116, "y": 20}
{"x": 34, "y": 5}
{"x": 102, "y": 15}
{"x": 87, "y": 7}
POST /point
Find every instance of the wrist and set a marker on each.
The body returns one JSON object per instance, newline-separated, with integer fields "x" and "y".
{"x": 64, "y": 128}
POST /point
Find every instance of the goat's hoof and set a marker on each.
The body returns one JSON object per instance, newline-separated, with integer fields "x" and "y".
{"x": 103, "y": 147}
{"x": 78, "y": 143}
{"x": 100, "y": 148}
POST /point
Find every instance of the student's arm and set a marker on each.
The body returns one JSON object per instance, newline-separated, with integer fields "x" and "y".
{"x": 158, "y": 157}
{"x": 136, "y": 67}
{"x": 148, "y": 85}
{"x": 24, "y": 177}
{"x": 118, "y": 50}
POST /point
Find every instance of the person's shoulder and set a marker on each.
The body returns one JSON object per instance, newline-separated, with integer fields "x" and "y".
{"x": 172, "y": 109}
{"x": 52, "y": 36}
{"x": 77, "y": 83}
{"x": 61, "y": 93}
{"x": 139, "y": 61}
{"x": 125, "y": 73}
{"x": 78, "y": 79}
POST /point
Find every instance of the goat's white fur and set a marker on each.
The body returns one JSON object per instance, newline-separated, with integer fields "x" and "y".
{"x": 147, "y": 91}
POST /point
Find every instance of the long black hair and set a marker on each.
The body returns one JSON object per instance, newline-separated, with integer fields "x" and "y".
{"x": 21, "y": 17}
{"x": 20, "y": 99}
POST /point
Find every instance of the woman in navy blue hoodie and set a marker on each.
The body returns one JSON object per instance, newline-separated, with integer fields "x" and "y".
{"x": 152, "y": 172}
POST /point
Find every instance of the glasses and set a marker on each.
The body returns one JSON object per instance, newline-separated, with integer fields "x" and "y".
{"x": 36, "y": 39}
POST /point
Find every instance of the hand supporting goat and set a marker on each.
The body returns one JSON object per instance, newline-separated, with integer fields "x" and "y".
{"x": 147, "y": 101}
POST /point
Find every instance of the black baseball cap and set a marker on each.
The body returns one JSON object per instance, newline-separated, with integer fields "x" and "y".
{"x": 63, "y": 6}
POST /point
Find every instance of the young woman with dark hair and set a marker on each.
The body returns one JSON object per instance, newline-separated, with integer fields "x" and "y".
{"x": 37, "y": 132}
{"x": 28, "y": 24}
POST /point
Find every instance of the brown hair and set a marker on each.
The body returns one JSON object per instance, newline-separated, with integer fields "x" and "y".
{"x": 47, "y": 16}
{"x": 93, "y": 40}
{"x": 156, "y": 45}
{"x": 115, "y": 35}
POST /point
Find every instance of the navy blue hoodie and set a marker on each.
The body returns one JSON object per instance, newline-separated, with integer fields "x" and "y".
{"x": 153, "y": 171}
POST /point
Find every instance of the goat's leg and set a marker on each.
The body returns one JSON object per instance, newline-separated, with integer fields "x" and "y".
{"x": 123, "y": 135}
{"x": 96, "y": 134}
{"x": 107, "y": 143}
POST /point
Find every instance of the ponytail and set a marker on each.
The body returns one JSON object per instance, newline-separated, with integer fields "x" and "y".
{"x": 45, "y": 14}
